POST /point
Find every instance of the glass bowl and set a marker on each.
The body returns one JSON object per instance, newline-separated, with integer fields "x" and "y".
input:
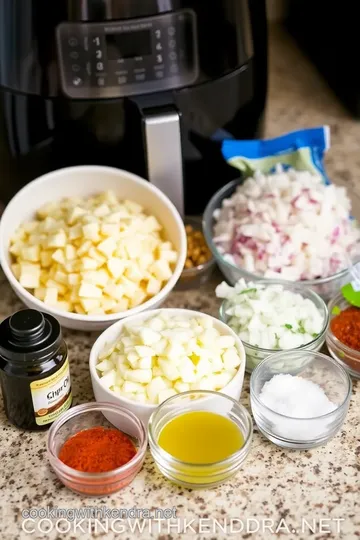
{"x": 199, "y": 476}
{"x": 324, "y": 287}
{"x": 254, "y": 354}
{"x": 349, "y": 358}
{"x": 301, "y": 433}
{"x": 87, "y": 416}
{"x": 193, "y": 278}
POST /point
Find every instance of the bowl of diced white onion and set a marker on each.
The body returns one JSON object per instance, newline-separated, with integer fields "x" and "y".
{"x": 250, "y": 222}
{"x": 91, "y": 245}
{"x": 270, "y": 316}
{"x": 140, "y": 362}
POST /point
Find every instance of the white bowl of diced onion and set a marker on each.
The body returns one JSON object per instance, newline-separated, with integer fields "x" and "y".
{"x": 121, "y": 374}
{"x": 84, "y": 182}
{"x": 326, "y": 287}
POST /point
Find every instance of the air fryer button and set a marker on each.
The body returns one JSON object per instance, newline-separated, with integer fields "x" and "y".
{"x": 89, "y": 60}
{"x": 77, "y": 82}
{"x": 140, "y": 77}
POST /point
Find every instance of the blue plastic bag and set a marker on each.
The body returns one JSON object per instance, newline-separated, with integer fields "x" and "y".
{"x": 302, "y": 150}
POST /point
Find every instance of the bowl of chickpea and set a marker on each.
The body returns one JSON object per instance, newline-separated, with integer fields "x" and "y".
{"x": 199, "y": 263}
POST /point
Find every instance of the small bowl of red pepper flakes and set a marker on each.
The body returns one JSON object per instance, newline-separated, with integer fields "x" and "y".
{"x": 97, "y": 448}
{"x": 343, "y": 335}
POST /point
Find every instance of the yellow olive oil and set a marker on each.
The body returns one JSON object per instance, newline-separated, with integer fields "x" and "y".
{"x": 201, "y": 437}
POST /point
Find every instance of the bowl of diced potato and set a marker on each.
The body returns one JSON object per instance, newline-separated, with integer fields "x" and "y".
{"x": 91, "y": 245}
{"x": 141, "y": 361}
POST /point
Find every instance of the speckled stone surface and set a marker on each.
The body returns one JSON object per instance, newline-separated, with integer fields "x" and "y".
{"x": 318, "y": 486}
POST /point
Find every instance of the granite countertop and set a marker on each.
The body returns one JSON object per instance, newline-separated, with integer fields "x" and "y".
{"x": 319, "y": 486}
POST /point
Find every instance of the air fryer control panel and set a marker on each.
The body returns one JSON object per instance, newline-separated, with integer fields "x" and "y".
{"x": 124, "y": 58}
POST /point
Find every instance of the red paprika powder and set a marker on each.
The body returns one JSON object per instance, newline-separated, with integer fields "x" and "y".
{"x": 346, "y": 327}
{"x": 97, "y": 450}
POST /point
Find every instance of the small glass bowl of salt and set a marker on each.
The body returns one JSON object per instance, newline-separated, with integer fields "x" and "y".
{"x": 299, "y": 399}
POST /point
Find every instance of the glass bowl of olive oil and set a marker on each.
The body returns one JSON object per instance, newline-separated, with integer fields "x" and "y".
{"x": 200, "y": 439}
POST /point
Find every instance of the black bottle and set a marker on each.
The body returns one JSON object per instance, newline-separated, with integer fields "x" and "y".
{"x": 34, "y": 369}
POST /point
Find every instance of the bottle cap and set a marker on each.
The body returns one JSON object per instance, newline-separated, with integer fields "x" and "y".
{"x": 29, "y": 336}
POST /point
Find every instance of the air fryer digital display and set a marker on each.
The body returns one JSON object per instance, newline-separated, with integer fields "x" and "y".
{"x": 124, "y": 58}
{"x": 129, "y": 45}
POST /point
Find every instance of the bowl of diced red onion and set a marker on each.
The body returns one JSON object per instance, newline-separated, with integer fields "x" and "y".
{"x": 286, "y": 225}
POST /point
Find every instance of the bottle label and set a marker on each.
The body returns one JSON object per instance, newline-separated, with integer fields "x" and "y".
{"x": 51, "y": 396}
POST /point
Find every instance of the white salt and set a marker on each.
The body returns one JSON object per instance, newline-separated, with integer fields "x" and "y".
{"x": 302, "y": 401}
{"x": 295, "y": 397}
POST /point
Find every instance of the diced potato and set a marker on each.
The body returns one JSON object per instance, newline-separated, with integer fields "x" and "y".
{"x": 116, "y": 267}
{"x": 96, "y": 277}
{"x": 52, "y": 284}
{"x": 95, "y": 254}
{"x": 63, "y": 305}
{"x": 57, "y": 240}
{"x": 31, "y": 254}
{"x": 77, "y": 246}
{"x": 137, "y": 298}
{"x": 46, "y": 259}
{"x": 89, "y": 264}
{"x": 91, "y": 231}
{"x": 84, "y": 248}
{"x": 110, "y": 229}
{"x": 74, "y": 214}
{"x": 79, "y": 309}
{"x": 121, "y": 305}
{"x": 134, "y": 273}
{"x": 40, "y": 293}
{"x": 51, "y": 296}
{"x": 89, "y": 304}
{"x": 74, "y": 279}
{"x": 29, "y": 275}
{"x": 70, "y": 252}
{"x": 107, "y": 247}
{"x": 16, "y": 270}
{"x": 161, "y": 270}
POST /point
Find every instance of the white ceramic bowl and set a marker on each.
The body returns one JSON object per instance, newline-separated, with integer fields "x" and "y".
{"x": 83, "y": 182}
{"x": 143, "y": 410}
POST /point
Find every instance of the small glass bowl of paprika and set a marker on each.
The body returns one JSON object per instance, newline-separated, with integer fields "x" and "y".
{"x": 343, "y": 335}
{"x": 97, "y": 448}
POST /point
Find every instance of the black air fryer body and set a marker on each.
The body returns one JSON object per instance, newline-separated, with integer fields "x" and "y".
{"x": 151, "y": 86}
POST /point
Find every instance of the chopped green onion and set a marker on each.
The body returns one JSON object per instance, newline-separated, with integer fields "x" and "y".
{"x": 289, "y": 326}
{"x": 301, "y": 328}
{"x": 314, "y": 335}
{"x": 245, "y": 291}
{"x": 336, "y": 310}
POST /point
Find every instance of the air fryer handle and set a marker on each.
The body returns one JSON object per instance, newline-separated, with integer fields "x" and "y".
{"x": 162, "y": 142}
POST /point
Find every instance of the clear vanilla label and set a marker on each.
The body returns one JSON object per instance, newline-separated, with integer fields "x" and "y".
{"x": 51, "y": 396}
